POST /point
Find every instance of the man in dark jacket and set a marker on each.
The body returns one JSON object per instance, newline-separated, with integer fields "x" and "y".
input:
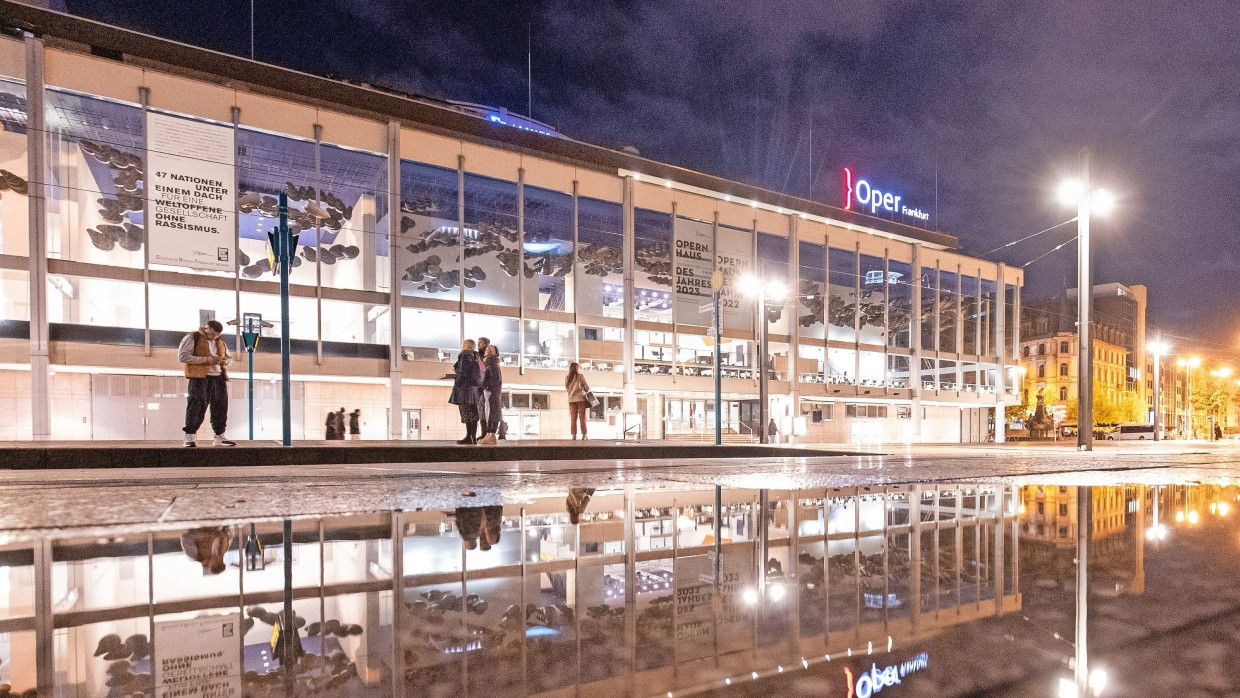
{"x": 465, "y": 391}
{"x": 339, "y": 425}
{"x": 355, "y": 425}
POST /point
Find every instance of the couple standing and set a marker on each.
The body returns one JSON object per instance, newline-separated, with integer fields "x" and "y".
{"x": 477, "y": 390}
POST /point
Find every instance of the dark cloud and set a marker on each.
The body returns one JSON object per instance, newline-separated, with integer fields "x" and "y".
{"x": 993, "y": 99}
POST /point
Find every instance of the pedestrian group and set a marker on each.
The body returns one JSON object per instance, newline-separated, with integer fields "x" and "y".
{"x": 477, "y": 391}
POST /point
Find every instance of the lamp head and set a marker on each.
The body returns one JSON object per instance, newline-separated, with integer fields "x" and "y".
{"x": 1070, "y": 191}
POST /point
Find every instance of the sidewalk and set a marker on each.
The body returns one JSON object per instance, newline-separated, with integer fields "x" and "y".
{"x": 60, "y": 455}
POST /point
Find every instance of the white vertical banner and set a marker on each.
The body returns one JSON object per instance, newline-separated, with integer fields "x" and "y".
{"x": 693, "y": 262}
{"x": 733, "y": 259}
{"x": 198, "y": 657}
{"x": 191, "y": 193}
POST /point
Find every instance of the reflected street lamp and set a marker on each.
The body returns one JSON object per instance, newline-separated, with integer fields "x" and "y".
{"x": 1087, "y": 201}
{"x": 753, "y": 286}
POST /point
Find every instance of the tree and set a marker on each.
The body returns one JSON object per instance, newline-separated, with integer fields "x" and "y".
{"x": 1210, "y": 399}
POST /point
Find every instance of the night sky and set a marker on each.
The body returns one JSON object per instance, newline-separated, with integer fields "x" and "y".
{"x": 996, "y": 96}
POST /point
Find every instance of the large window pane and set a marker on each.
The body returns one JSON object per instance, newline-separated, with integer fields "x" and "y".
{"x": 988, "y": 317}
{"x": 812, "y": 289}
{"x": 356, "y": 323}
{"x": 503, "y": 332}
{"x": 353, "y": 245}
{"x": 929, "y": 294}
{"x": 899, "y": 304}
{"x": 548, "y": 344}
{"x": 268, "y": 165}
{"x": 948, "y": 312}
{"x": 1010, "y": 322}
{"x": 842, "y": 305}
{"x": 14, "y": 295}
{"x": 969, "y": 314}
{"x": 77, "y": 300}
{"x": 96, "y": 181}
{"x": 773, "y": 257}
{"x": 14, "y": 207}
{"x": 492, "y": 260}
{"x": 600, "y": 256}
{"x": 652, "y": 266}
{"x": 601, "y": 348}
{"x": 184, "y": 308}
{"x": 548, "y": 250}
{"x": 873, "y": 300}
{"x": 429, "y": 245}
{"x": 303, "y": 314}
{"x": 430, "y": 335}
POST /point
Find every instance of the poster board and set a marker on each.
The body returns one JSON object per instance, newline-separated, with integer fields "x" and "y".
{"x": 191, "y": 193}
{"x": 198, "y": 657}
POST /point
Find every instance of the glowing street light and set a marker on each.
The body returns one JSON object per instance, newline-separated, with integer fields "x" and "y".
{"x": 1159, "y": 348}
{"x": 1087, "y": 201}
{"x": 764, "y": 290}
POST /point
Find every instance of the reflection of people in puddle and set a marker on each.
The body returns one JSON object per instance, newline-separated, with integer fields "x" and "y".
{"x": 480, "y": 527}
{"x": 207, "y": 546}
{"x": 577, "y": 501}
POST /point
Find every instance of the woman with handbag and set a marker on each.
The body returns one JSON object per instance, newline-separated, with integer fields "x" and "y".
{"x": 465, "y": 390}
{"x": 578, "y": 399}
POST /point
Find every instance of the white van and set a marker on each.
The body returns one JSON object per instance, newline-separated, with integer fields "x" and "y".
{"x": 1139, "y": 432}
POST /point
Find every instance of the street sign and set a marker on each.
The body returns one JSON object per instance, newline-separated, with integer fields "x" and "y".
{"x": 706, "y": 308}
{"x": 716, "y": 281}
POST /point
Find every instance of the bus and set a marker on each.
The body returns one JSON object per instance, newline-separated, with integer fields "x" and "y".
{"x": 1138, "y": 432}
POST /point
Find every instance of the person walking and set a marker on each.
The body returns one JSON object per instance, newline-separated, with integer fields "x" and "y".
{"x": 205, "y": 356}
{"x": 330, "y": 426}
{"x": 492, "y": 394}
{"x": 465, "y": 390}
{"x": 355, "y": 425}
{"x": 578, "y": 404}
{"x": 338, "y": 425}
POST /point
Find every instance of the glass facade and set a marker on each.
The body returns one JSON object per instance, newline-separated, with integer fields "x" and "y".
{"x": 548, "y": 247}
{"x": 652, "y": 266}
{"x": 540, "y": 271}
{"x": 95, "y": 164}
{"x": 842, "y": 304}
{"x": 599, "y": 277}
{"x": 491, "y": 243}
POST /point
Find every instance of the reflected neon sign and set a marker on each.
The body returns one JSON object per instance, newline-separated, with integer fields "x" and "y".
{"x": 872, "y": 200}
{"x": 875, "y": 680}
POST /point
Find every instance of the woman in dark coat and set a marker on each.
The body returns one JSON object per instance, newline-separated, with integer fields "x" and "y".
{"x": 492, "y": 394}
{"x": 331, "y": 426}
{"x": 465, "y": 390}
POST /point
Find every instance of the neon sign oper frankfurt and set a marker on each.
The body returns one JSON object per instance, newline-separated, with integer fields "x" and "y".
{"x": 871, "y": 200}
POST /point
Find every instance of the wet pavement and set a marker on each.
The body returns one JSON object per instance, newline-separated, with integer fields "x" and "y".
{"x": 913, "y": 572}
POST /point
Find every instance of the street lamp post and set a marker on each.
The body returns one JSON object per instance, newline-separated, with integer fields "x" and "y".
{"x": 1159, "y": 348}
{"x": 1189, "y": 365}
{"x": 754, "y": 286}
{"x": 1087, "y": 202}
{"x": 251, "y": 325}
{"x": 283, "y": 246}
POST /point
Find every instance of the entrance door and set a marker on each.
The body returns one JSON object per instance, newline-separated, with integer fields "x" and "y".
{"x": 413, "y": 425}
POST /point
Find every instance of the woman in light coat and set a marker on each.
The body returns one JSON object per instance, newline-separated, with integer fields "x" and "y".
{"x": 578, "y": 406}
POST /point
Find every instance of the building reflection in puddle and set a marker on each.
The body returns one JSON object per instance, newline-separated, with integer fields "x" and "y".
{"x": 514, "y": 599}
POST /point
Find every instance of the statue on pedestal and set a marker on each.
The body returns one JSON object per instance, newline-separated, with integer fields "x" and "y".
{"x": 1041, "y": 424}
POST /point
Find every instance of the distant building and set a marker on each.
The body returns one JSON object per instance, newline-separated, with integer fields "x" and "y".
{"x": 1121, "y": 360}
